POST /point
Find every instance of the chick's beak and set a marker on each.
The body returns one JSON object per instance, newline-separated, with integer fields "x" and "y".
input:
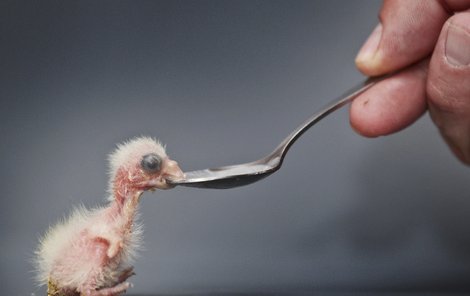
{"x": 171, "y": 171}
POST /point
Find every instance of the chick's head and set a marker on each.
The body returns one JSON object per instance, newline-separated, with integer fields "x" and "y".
{"x": 141, "y": 164}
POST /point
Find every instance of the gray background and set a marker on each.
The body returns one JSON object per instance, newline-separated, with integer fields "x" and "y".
{"x": 222, "y": 82}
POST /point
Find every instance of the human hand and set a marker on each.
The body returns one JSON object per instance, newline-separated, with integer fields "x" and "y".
{"x": 437, "y": 31}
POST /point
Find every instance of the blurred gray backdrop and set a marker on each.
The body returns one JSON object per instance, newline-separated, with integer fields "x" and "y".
{"x": 222, "y": 82}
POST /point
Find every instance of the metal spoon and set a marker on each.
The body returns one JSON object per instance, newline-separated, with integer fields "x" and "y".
{"x": 246, "y": 173}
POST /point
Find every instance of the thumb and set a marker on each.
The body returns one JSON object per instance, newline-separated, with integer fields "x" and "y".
{"x": 407, "y": 32}
{"x": 448, "y": 85}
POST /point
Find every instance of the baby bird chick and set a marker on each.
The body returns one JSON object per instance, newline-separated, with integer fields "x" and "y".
{"x": 90, "y": 253}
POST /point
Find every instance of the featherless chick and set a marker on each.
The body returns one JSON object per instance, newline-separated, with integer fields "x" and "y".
{"x": 90, "y": 253}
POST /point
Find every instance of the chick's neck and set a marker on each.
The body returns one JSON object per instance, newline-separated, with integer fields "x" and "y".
{"x": 126, "y": 197}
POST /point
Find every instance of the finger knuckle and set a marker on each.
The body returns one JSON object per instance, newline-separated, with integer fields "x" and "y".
{"x": 446, "y": 96}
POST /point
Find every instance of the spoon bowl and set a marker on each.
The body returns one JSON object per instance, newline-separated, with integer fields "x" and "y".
{"x": 230, "y": 176}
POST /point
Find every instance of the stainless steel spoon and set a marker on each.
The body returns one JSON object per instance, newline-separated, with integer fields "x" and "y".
{"x": 246, "y": 173}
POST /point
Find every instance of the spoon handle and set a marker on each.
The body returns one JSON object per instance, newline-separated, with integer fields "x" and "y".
{"x": 281, "y": 150}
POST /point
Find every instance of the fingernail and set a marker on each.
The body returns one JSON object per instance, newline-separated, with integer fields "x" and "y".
{"x": 371, "y": 45}
{"x": 457, "y": 48}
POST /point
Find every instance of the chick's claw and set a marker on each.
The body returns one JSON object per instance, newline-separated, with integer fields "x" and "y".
{"x": 127, "y": 273}
{"x": 112, "y": 291}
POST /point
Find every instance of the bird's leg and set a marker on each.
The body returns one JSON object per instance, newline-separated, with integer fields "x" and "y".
{"x": 121, "y": 287}
{"x": 116, "y": 290}
{"x": 111, "y": 291}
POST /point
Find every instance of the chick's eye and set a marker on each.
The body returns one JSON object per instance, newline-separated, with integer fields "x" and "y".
{"x": 151, "y": 163}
